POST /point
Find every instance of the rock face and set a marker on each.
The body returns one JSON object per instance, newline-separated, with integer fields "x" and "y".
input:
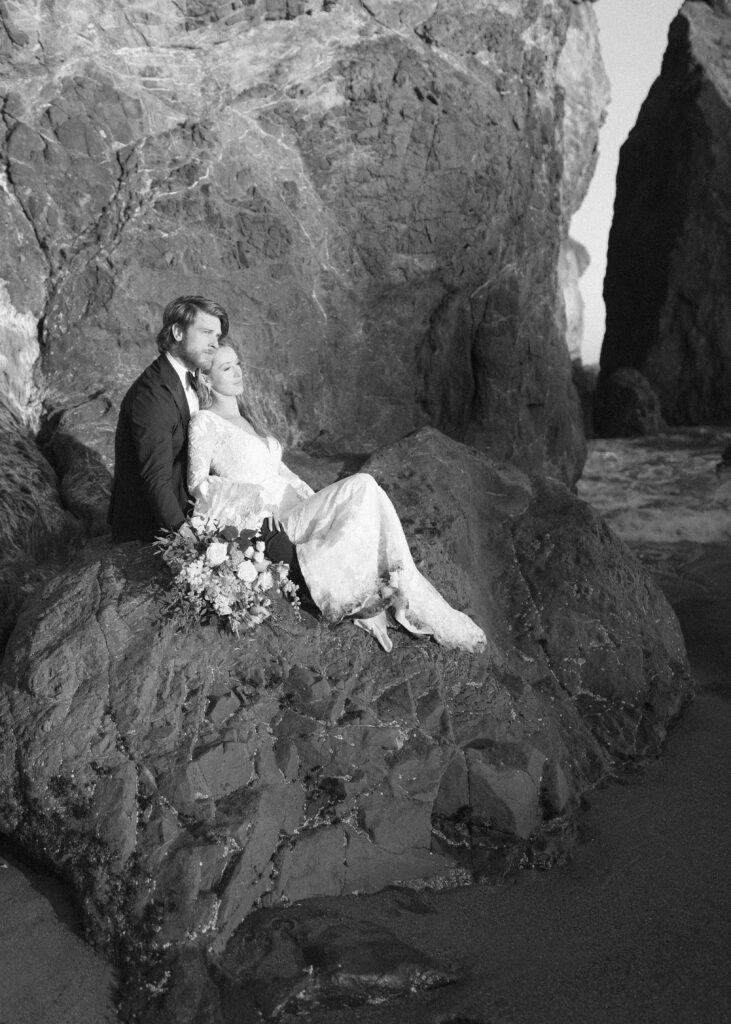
{"x": 585, "y": 382}
{"x": 181, "y": 780}
{"x": 377, "y": 193}
{"x": 34, "y": 525}
{"x": 627, "y": 406}
{"x": 669, "y": 260}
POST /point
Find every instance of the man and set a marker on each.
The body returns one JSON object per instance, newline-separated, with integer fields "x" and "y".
{"x": 150, "y": 492}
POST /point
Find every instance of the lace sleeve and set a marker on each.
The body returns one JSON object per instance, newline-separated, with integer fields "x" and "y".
{"x": 201, "y": 445}
{"x": 297, "y": 483}
{"x": 228, "y": 501}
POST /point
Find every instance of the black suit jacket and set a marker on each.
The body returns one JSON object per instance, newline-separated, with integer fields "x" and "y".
{"x": 150, "y": 491}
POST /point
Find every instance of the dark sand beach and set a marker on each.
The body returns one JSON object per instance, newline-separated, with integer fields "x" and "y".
{"x": 636, "y": 929}
{"x": 48, "y": 974}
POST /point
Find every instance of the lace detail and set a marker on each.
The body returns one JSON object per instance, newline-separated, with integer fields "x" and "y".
{"x": 350, "y": 542}
{"x": 237, "y": 476}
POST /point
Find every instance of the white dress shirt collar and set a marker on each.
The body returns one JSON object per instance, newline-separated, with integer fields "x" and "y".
{"x": 182, "y": 372}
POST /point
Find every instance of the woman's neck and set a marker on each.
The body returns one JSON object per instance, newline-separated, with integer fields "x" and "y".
{"x": 225, "y": 405}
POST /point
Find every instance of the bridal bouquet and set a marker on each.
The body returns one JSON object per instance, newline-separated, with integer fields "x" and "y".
{"x": 222, "y": 571}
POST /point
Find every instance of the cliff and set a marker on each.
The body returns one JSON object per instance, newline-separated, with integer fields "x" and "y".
{"x": 669, "y": 258}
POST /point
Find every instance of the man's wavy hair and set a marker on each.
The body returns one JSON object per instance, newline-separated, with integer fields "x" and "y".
{"x": 182, "y": 312}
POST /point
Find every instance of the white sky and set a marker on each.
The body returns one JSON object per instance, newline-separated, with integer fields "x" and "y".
{"x": 633, "y": 37}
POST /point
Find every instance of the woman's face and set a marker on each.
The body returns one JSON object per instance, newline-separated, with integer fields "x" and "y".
{"x": 224, "y": 375}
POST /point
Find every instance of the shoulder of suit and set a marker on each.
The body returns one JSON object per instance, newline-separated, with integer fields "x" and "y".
{"x": 153, "y": 383}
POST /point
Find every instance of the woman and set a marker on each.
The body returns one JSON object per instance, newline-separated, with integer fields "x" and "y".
{"x": 350, "y": 543}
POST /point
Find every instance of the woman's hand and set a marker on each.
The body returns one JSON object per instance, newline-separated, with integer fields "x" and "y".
{"x": 274, "y": 524}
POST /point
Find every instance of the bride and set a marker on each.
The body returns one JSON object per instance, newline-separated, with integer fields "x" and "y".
{"x": 351, "y": 546}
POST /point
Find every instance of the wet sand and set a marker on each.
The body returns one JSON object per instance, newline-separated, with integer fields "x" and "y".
{"x": 48, "y": 974}
{"x": 635, "y": 930}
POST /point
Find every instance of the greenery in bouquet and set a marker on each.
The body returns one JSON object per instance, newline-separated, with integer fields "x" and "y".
{"x": 221, "y": 571}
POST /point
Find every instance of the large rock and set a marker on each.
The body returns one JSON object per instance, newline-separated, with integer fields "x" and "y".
{"x": 377, "y": 192}
{"x": 180, "y": 780}
{"x": 626, "y": 405}
{"x": 586, "y": 94}
{"x": 669, "y": 259}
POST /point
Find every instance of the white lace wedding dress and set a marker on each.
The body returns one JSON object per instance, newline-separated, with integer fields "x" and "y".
{"x": 350, "y": 542}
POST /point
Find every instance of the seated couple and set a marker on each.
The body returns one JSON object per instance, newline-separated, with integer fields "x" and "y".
{"x": 186, "y": 442}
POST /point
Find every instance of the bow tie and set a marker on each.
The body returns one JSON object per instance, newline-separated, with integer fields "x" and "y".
{"x": 190, "y": 380}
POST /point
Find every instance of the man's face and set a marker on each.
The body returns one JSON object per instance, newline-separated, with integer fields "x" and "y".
{"x": 194, "y": 347}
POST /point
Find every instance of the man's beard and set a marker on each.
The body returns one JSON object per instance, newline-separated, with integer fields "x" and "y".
{"x": 204, "y": 362}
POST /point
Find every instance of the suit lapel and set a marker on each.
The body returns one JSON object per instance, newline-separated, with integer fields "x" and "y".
{"x": 171, "y": 381}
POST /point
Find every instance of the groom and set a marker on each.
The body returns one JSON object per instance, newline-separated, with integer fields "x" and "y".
{"x": 150, "y": 492}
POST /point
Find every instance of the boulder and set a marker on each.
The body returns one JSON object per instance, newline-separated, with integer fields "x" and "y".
{"x": 376, "y": 192}
{"x": 669, "y": 257}
{"x": 181, "y": 780}
{"x": 293, "y": 961}
{"x": 626, "y": 405}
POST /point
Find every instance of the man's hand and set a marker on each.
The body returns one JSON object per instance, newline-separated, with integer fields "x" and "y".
{"x": 186, "y": 531}
{"x": 273, "y": 523}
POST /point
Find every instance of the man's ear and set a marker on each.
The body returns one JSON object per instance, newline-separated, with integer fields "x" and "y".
{"x": 177, "y": 332}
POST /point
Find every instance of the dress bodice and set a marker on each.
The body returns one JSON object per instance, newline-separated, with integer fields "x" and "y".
{"x": 237, "y": 476}
{"x": 236, "y": 453}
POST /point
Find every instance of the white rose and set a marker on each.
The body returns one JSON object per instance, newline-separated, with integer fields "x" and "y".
{"x": 249, "y": 553}
{"x": 246, "y": 572}
{"x": 216, "y": 553}
{"x": 258, "y": 555}
{"x": 260, "y": 545}
{"x": 266, "y": 580}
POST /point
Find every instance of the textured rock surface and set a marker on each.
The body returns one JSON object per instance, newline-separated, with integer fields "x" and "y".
{"x": 34, "y": 525}
{"x": 669, "y": 260}
{"x": 627, "y": 406}
{"x": 584, "y": 81}
{"x": 585, "y": 382}
{"x": 287, "y": 962}
{"x": 377, "y": 192}
{"x": 179, "y": 781}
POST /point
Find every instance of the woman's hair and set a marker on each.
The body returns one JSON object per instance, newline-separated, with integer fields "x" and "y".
{"x": 205, "y": 400}
{"x": 182, "y": 312}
